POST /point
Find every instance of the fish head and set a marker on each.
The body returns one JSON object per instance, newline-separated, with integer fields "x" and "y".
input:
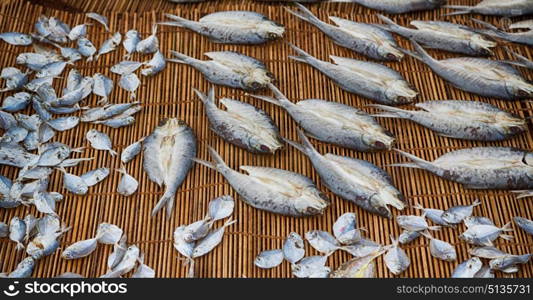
{"x": 378, "y": 140}
{"x": 311, "y": 202}
{"x": 481, "y": 44}
{"x": 385, "y": 197}
{"x": 390, "y": 52}
{"x": 272, "y": 30}
{"x": 400, "y": 92}
{"x": 518, "y": 88}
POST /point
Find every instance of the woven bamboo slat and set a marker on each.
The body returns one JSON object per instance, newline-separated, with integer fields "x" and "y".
{"x": 170, "y": 94}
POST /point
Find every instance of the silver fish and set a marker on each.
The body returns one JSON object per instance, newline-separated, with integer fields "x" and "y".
{"x": 362, "y": 248}
{"x": 484, "y": 235}
{"x": 149, "y": 44}
{"x": 98, "y": 18}
{"x": 293, "y": 248}
{"x": 71, "y": 54}
{"x": 74, "y": 184}
{"x": 131, "y": 39}
{"x": 86, "y": 48}
{"x": 23, "y": 269}
{"x": 131, "y": 151}
{"x": 481, "y": 167}
{"x": 100, "y": 141}
{"x": 17, "y": 231}
{"x": 15, "y": 155}
{"x": 457, "y": 214}
{"x": 311, "y": 267}
{"x": 109, "y": 45}
{"x": 489, "y": 252}
{"x": 130, "y": 82}
{"x": 441, "y": 249}
{"x": 370, "y": 80}
{"x": 44, "y": 244}
{"x": 522, "y": 60}
{"x": 80, "y": 249}
{"x": 398, "y": 6}
{"x": 106, "y": 111}
{"x": 64, "y": 123}
{"x": 408, "y": 236}
{"x": 95, "y": 176}
{"x": 474, "y": 220}
{"x": 14, "y": 78}
{"x": 354, "y": 180}
{"x": 16, "y": 102}
{"x": 367, "y": 39}
{"x": 345, "y": 229}
{"x": 52, "y": 69}
{"x": 7, "y": 120}
{"x": 127, "y": 185}
{"x": 119, "y": 250}
{"x": 44, "y": 202}
{"x": 77, "y": 32}
{"x": 154, "y": 65}
{"x": 470, "y": 120}
{"x": 117, "y": 122}
{"x": 435, "y": 215}
{"x": 128, "y": 261}
{"x": 213, "y": 239}
{"x": 229, "y": 69}
{"x": 525, "y": 224}
{"x": 525, "y": 37}
{"x": 196, "y": 230}
{"x": 508, "y": 263}
{"x": 396, "y": 259}
{"x": 358, "y": 267}
{"x": 269, "y": 259}
{"x": 495, "y": 8}
{"x": 221, "y": 207}
{"x": 274, "y": 190}
{"x": 489, "y": 78}
{"x": 322, "y": 241}
{"x": 125, "y": 67}
{"x": 335, "y": 123}
{"x": 232, "y": 27}
{"x": 444, "y": 35}
{"x": 468, "y": 268}
{"x": 102, "y": 87}
{"x": 143, "y": 271}
{"x": 184, "y": 248}
{"x": 16, "y": 38}
{"x": 72, "y": 162}
{"x": 168, "y": 156}
{"x": 242, "y": 124}
{"x": 108, "y": 234}
{"x": 414, "y": 223}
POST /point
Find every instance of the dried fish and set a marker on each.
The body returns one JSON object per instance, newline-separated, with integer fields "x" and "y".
{"x": 4, "y": 230}
{"x": 77, "y": 32}
{"x": 102, "y": 87}
{"x": 74, "y": 184}
{"x": 125, "y": 67}
{"x": 367, "y": 39}
{"x": 100, "y": 141}
{"x": 130, "y": 82}
{"x": 242, "y": 124}
{"x": 24, "y": 269}
{"x": 371, "y": 80}
{"x": 408, "y": 236}
{"x": 525, "y": 37}
{"x": 64, "y": 123}
{"x": 508, "y": 263}
{"x": 86, "y": 48}
{"x": 98, "y": 18}
{"x": 275, "y": 190}
{"x": 128, "y": 261}
{"x": 335, "y": 123}
{"x": 441, "y": 249}
{"x": 220, "y": 208}
{"x": 17, "y": 231}
{"x": 398, "y": 7}
{"x": 213, "y": 239}
{"x": 435, "y": 215}
{"x": 293, "y": 248}
{"x": 143, "y": 271}
{"x": 396, "y": 259}
{"x": 168, "y": 156}
{"x": 15, "y": 155}
{"x": 95, "y": 176}
{"x": 232, "y": 27}
{"x": 16, "y": 102}
{"x": 106, "y": 111}
{"x": 269, "y": 259}
{"x": 127, "y": 185}
{"x": 481, "y": 167}
{"x": 484, "y": 235}
{"x": 522, "y": 60}
{"x": 358, "y": 267}
{"x": 184, "y": 248}
{"x": 16, "y": 38}
{"x": 525, "y": 224}
{"x": 132, "y": 38}
{"x": 108, "y": 234}
{"x": 345, "y": 229}
{"x": 14, "y": 78}
{"x": 44, "y": 202}
{"x": 80, "y": 249}
{"x": 109, "y": 45}
{"x": 119, "y": 250}
{"x": 322, "y": 241}
{"x": 457, "y": 214}
{"x": 155, "y": 65}
{"x": 149, "y": 44}
{"x": 229, "y": 69}
{"x": 473, "y": 221}
{"x": 311, "y": 267}
{"x": 489, "y": 252}
{"x": 131, "y": 151}
{"x": 414, "y": 223}
{"x": 354, "y": 180}
{"x": 468, "y": 268}
{"x": 495, "y": 8}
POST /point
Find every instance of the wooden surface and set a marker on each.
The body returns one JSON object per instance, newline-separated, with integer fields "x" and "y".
{"x": 170, "y": 94}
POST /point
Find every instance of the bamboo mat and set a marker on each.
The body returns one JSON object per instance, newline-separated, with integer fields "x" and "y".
{"x": 170, "y": 94}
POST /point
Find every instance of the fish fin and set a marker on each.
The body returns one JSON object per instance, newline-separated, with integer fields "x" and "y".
{"x": 302, "y": 55}
{"x": 420, "y": 54}
{"x": 417, "y": 160}
{"x": 418, "y": 206}
{"x": 266, "y": 98}
{"x": 389, "y": 23}
{"x": 190, "y": 272}
{"x": 205, "y": 163}
{"x": 392, "y": 112}
{"x": 434, "y": 227}
{"x": 209, "y": 98}
{"x": 181, "y": 58}
{"x": 426, "y": 234}
{"x": 476, "y": 203}
{"x": 394, "y": 241}
{"x": 159, "y": 205}
{"x": 507, "y": 237}
{"x": 507, "y": 227}
{"x": 304, "y": 14}
{"x": 464, "y": 9}
{"x": 112, "y": 152}
{"x": 523, "y": 193}
{"x": 170, "y": 207}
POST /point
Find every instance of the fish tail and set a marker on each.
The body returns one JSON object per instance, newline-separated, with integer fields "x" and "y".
{"x": 463, "y": 9}
{"x": 266, "y": 98}
{"x": 206, "y": 163}
{"x": 216, "y": 157}
{"x": 182, "y": 58}
{"x": 391, "y": 112}
{"x": 418, "y": 206}
{"x": 20, "y": 246}
{"x": 170, "y": 207}
{"x": 507, "y": 237}
{"x": 209, "y": 98}
{"x": 391, "y": 24}
{"x": 419, "y": 53}
{"x": 190, "y": 272}
{"x": 417, "y": 161}
{"x": 112, "y": 152}
{"x": 476, "y": 203}
{"x": 523, "y": 194}
{"x": 162, "y": 202}
{"x": 304, "y": 14}
{"x": 426, "y": 234}
{"x": 229, "y": 222}
{"x": 302, "y": 55}
{"x": 434, "y": 227}
{"x": 507, "y": 227}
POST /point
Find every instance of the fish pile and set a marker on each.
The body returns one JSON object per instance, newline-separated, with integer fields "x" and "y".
{"x": 199, "y": 238}
{"x": 346, "y": 237}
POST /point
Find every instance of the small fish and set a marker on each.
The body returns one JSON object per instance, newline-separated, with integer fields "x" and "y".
{"x": 408, "y": 236}
{"x": 197, "y": 230}
{"x": 322, "y": 241}
{"x": 274, "y": 190}
{"x": 396, "y": 259}
{"x": 354, "y": 180}
{"x": 128, "y": 261}
{"x": 109, "y": 45}
{"x": 484, "y": 235}
{"x": 74, "y": 184}
{"x": 14, "y": 78}
{"x": 468, "y": 268}
{"x": 143, "y": 271}
{"x": 132, "y": 38}
{"x": 44, "y": 202}
{"x": 269, "y": 259}
{"x": 71, "y": 54}
{"x": 445, "y": 36}
{"x": 86, "y": 48}
{"x": 168, "y": 157}
{"x": 23, "y": 269}
{"x": 335, "y": 123}
{"x": 229, "y": 69}
{"x": 16, "y": 38}
{"x": 495, "y": 8}
{"x": 370, "y": 80}
{"x": 130, "y": 82}
{"x": 362, "y": 248}
{"x": 45, "y": 242}
{"x": 435, "y": 215}
{"x": 242, "y": 124}
{"x": 77, "y": 32}
{"x": 441, "y": 249}
{"x": 502, "y": 168}
{"x": 525, "y": 224}
{"x": 457, "y": 214}
{"x": 108, "y": 234}
{"x": 95, "y": 176}
{"x": 358, "y": 267}
{"x": 484, "y": 272}
{"x": 367, "y": 39}
{"x": 155, "y": 65}
{"x": 72, "y": 162}
{"x": 125, "y": 67}
{"x": 105, "y": 112}
{"x": 484, "y": 77}
{"x": 15, "y": 155}
{"x": 232, "y": 27}
{"x": 474, "y": 220}
{"x": 184, "y": 248}
{"x": 53, "y": 154}
{"x": 80, "y": 249}
{"x": 127, "y": 185}
{"x": 98, "y": 18}
{"x": 414, "y": 223}
{"x": 345, "y": 229}
{"x": 470, "y": 120}
{"x": 508, "y": 263}
{"x": 7, "y": 120}
{"x": 149, "y": 44}
{"x": 100, "y": 141}
{"x": 221, "y": 207}
{"x": 17, "y": 231}
{"x": 488, "y": 252}
{"x": 213, "y": 239}
{"x": 16, "y": 102}
{"x": 102, "y": 87}
{"x": 293, "y": 248}
{"x": 64, "y": 123}
{"x": 119, "y": 250}
{"x": 524, "y": 37}
{"x": 398, "y": 7}
{"x": 311, "y": 267}
{"x": 131, "y": 151}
